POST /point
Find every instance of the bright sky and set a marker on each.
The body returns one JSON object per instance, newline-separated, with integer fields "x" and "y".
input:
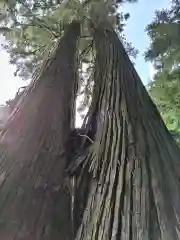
{"x": 141, "y": 15}
{"x": 8, "y": 83}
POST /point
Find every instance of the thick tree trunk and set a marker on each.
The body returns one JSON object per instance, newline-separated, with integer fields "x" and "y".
{"x": 34, "y": 205}
{"x": 133, "y": 166}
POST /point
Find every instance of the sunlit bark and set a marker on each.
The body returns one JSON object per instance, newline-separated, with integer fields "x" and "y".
{"x": 34, "y": 204}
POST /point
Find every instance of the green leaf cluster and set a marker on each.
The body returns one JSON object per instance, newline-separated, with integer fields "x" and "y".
{"x": 164, "y": 53}
{"x": 32, "y": 27}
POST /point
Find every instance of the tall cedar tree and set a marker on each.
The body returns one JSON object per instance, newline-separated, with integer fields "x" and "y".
{"x": 34, "y": 203}
{"x": 127, "y": 183}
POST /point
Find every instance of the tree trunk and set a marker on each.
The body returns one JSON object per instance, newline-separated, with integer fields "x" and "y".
{"x": 34, "y": 205}
{"x": 133, "y": 166}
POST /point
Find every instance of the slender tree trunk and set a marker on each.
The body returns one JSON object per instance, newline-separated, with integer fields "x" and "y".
{"x": 133, "y": 167}
{"x": 34, "y": 205}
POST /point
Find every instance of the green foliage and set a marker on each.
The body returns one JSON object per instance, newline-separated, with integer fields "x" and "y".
{"x": 32, "y": 27}
{"x": 176, "y": 136}
{"x": 165, "y": 91}
{"x": 164, "y": 52}
{"x": 164, "y": 33}
{"x": 30, "y": 33}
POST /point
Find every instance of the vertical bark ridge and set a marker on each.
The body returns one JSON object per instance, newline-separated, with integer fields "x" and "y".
{"x": 33, "y": 202}
{"x": 134, "y": 193}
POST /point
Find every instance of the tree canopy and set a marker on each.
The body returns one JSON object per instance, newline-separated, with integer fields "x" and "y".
{"x": 32, "y": 27}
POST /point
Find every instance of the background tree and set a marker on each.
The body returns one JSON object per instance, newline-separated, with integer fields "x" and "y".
{"x": 164, "y": 52}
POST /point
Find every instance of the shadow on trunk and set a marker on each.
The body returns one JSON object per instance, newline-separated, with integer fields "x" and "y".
{"x": 132, "y": 169}
{"x": 34, "y": 204}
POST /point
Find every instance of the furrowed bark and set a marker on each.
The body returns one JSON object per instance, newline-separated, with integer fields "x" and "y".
{"x": 133, "y": 166}
{"x": 34, "y": 204}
